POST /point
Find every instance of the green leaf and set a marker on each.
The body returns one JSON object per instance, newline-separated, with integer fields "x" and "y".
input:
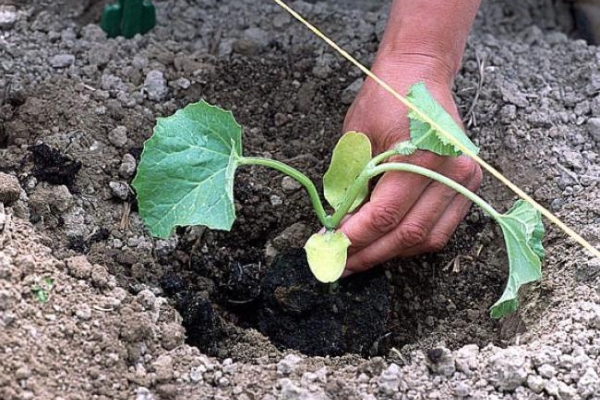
{"x": 351, "y": 154}
{"x": 523, "y": 232}
{"x": 405, "y": 148}
{"x": 327, "y": 253}
{"x": 42, "y": 291}
{"x": 426, "y": 137}
{"x": 186, "y": 173}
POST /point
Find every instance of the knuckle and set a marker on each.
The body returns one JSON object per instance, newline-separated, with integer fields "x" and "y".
{"x": 437, "y": 242}
{"x": 411, "y": 234}
{"x": 476, "y": 179}
{"x": 426, "y": 159}
{"x": 384, "y": 218}
{"x": 464, "y": 170}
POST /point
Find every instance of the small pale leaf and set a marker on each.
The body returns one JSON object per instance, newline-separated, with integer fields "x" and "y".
{"x": 424, "y": 136}
{"x": 351, "y": 154}
{"x": 523, "y": 232}
{"x": 185, "y": 176}
{"x": 327, "y": 253}
{"x": 405, "y": 148}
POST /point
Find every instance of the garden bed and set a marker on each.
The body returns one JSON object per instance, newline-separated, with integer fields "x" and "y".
{"x": 75, "y": 111}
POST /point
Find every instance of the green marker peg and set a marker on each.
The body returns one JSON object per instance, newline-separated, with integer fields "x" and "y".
{"x": 128, "y": 18}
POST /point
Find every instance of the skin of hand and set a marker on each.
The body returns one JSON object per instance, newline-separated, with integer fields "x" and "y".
{"x": 408, "y": 214}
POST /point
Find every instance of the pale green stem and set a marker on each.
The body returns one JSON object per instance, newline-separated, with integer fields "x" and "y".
{"x": 300, "y": 177}
{"x": 380, "y": 169}
{"x": 371, "y": 171}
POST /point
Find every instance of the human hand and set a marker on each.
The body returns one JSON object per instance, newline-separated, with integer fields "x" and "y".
{"x": 407, "y": 214}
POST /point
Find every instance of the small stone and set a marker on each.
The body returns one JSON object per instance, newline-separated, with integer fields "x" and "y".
{"x": 183, "y": 83}
{"x": 588, "y": 384}
{"x": 509, "y": 368}
{"x": 441, "y": 361}
{"x": 23, "y": 372}
{"x": 57, "y": 198}
{"x": 147, "y": 299}
{"x": 461, "y": 389}
{"x": 288, "y": 364}
{"x": 289, "y": 391}
{"x": 253, "y": 41}
{"x": 290, "y": 185}
{"x": 294, "y": 235}
{"x": 9, "y": 189}
{"x": 566, "y": 392}
{"x": 466, "y": 358}
{"x": 118, "y": 136}
{"x": 163, "y": 367}
{"x": 535, "y": 383}
{"x": 79, "y": 267}
{"x": 276, "y": 200}
{"x": 120, "y": 189}
{"x": 389, "y": 380}
{"x": 574, "y": 159}
{"x": 351, "y": 91}
{"x": 155, "y": 85}
{"x": 593, "y": 127}
{"x": 62, "y": 60}
{"x": 127, "y": 167}
{"x": 83, "y": 312}
{"x": 8, "y": 16}
{"x": 172, "y": 336}
{"x": 547, "y": 371}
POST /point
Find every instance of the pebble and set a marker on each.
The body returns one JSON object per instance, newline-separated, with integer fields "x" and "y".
{"x": 163, "y": 368}
{"x": 9, "y": 189}
{"x": 276, "y": 200}
{"x": 509, "y": 368}
{"x": 120, "y": 189}
{"x": 288, "y": 364}
{"x": 57, "y": 197}
{"x": 183, "y": 83}
{"x": 62, "y": 60}
{"x": 593, "y": 128}
{"x": 535, "y": 383}
{"x": 290, "y": 185}
{"x": 118, "y": 136}
{"x": 8, "y": 16}
{"x": 589, "y": 384}
{"x": 466, "y": 358}
{"x": 441, "y": 361}
{"x": 83, "y": 312}
{"x": 155, "y": 85}
{"x": 127, "y": 167}
{"x": 389, "y": 380}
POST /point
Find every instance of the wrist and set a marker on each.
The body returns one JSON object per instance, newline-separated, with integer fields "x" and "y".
{"x": 428, "y": 35}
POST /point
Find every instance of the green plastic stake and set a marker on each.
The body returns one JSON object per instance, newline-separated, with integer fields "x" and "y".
{"x": 128, "y": 18}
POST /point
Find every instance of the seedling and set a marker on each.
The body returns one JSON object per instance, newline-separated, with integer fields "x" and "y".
{"x": 186, "y": 176}
{"x": 42, "y": 290}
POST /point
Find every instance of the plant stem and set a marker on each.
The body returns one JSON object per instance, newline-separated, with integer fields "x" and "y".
{"x": 380, "y": 169}
{"x": 298, "y": 176}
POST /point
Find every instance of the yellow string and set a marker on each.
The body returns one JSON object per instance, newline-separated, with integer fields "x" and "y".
{"x": 574, "y": 235}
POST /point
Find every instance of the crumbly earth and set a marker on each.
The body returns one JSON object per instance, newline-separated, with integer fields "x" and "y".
{"x": 85, "y": 311}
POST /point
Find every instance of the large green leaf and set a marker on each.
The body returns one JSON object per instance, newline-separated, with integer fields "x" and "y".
{"x": 426, "y": 137}
{"x": 523, "y": 232}
{"x": 186, "y": 173}
{"x": 326, "y": 254}
{"x": 350, "y": 156}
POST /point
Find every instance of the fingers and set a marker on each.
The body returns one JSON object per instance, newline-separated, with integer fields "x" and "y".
{"x": 394, "y": 195}
{"x": 413, "y": 231}
{"x": 429, "y": 223}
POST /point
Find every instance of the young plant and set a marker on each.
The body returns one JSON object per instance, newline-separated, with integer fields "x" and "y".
{"x": 186, "y": 176}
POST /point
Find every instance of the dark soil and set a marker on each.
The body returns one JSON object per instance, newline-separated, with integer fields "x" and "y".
{"x": 301, "y": 313}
